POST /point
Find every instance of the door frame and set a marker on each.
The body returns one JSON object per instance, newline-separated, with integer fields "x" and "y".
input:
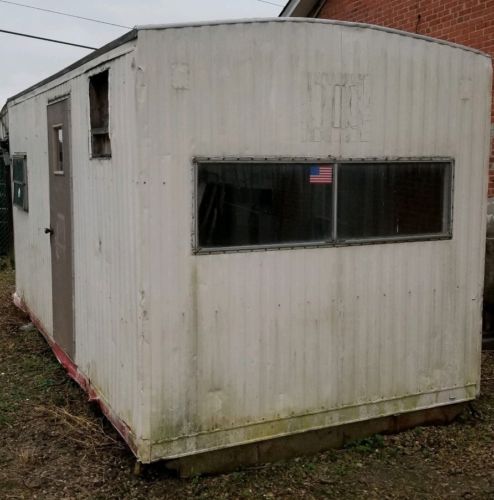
{"x": 71, "y": 351}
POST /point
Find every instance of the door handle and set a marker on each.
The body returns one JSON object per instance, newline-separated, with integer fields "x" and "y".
{"x": 49, "y": 230}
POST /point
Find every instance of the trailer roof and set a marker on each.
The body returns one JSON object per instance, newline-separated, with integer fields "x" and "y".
{"x": 131, "y": 35}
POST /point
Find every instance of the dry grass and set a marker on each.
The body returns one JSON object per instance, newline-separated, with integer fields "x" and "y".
{"x": 54, "y": 444}
{"x": 83, "y": 430}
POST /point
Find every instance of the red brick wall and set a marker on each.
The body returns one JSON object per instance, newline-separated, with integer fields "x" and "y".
{"x": 468, "y": 22}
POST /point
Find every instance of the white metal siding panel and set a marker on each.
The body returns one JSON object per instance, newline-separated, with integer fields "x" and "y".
{"x": 106, "y": 244}
{"x": 252, "y": 345}
{"x": 105, "y": 222}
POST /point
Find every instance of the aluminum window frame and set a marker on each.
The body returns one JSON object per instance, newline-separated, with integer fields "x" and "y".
{"x": 335, "y": 242}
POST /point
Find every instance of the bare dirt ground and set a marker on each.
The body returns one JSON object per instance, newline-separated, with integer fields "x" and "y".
{"x": 53, "y": 444}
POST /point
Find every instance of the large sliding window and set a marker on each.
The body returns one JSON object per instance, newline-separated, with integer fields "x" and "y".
{"x": 264, "y": 204}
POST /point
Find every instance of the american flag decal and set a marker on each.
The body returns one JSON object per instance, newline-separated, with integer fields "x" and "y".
{"x": 321, "y": 174}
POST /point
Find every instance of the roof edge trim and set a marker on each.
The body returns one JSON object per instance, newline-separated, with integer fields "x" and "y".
{"x": 150, "y": 27}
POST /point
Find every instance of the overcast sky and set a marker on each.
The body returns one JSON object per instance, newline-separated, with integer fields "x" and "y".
{"x": 24, "y": 62}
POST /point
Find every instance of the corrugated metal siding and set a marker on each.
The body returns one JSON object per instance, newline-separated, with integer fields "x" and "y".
{"x": 244, "y": 345}
{"x": 106, "y": 248}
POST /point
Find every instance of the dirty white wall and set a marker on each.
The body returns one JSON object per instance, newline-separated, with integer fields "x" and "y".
{"x": 257, "y": 344}
{"x": 106, "y": 248}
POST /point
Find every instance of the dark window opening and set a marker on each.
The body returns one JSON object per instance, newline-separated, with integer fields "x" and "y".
{"x": 255, "y": 204}
{"x": 99, "y": 115}
{"x": 263, "y": 204}
{"x": 385, "y": 200}
{"x": 19, "y": 180}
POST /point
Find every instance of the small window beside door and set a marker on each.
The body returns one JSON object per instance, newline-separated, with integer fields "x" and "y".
{"x": 19, "y": 178}
{"x": 99, "y": 115}
{"x": 57, "y": 144}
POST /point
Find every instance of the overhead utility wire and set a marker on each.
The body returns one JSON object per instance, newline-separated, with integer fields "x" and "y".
{"x": 92, "y": 19}
{"x": 47, "y": 39}
{"x": 270, "y": 3}
{"x": 67, "y": 14}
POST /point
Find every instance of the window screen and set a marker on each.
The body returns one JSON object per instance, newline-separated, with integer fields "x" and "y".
{"x": 19, "y": 178}
{"x": 384, "y": 200}
{"x": 259, "y": 204}
{"x": 246, "y": 204}
{"x": 99, "y": 115}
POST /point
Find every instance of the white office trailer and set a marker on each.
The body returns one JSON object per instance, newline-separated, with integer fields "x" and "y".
{"x": 237, "y": 231}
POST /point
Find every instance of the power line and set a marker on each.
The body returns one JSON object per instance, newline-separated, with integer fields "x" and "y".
{"x": 47, "y": 39}
{"x": 67, "y": 14}
{"x": 92, "y": 19}
{"x": 265, "y": 1}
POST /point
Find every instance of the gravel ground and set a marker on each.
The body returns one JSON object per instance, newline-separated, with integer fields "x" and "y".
{"x": 53, "y": 444}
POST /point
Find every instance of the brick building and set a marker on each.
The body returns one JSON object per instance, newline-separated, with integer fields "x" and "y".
{"x": 467, "y": 22}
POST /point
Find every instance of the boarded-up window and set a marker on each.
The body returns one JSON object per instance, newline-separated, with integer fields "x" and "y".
{"x": 100, "y": 115}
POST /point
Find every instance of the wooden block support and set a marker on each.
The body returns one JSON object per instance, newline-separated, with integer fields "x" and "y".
{"x": 307, "y": 443}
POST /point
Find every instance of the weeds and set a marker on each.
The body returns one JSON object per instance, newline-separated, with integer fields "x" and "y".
{"x": 367, "y": 445}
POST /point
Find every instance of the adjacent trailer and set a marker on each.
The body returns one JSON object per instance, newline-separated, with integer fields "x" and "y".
{"x": 234, "y": 232}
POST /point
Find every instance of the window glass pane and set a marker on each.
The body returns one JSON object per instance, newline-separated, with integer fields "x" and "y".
{"x": 58, "y": 148}
{"x": 18, "y": 194}
{"x": 19, "y": 178}
{"x": 18, "y": 169}
{"x": 243, "y": 204}
{"x": 393, "y": 199}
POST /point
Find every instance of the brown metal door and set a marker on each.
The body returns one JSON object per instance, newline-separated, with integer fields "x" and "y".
{"x": 60, "y": 230}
